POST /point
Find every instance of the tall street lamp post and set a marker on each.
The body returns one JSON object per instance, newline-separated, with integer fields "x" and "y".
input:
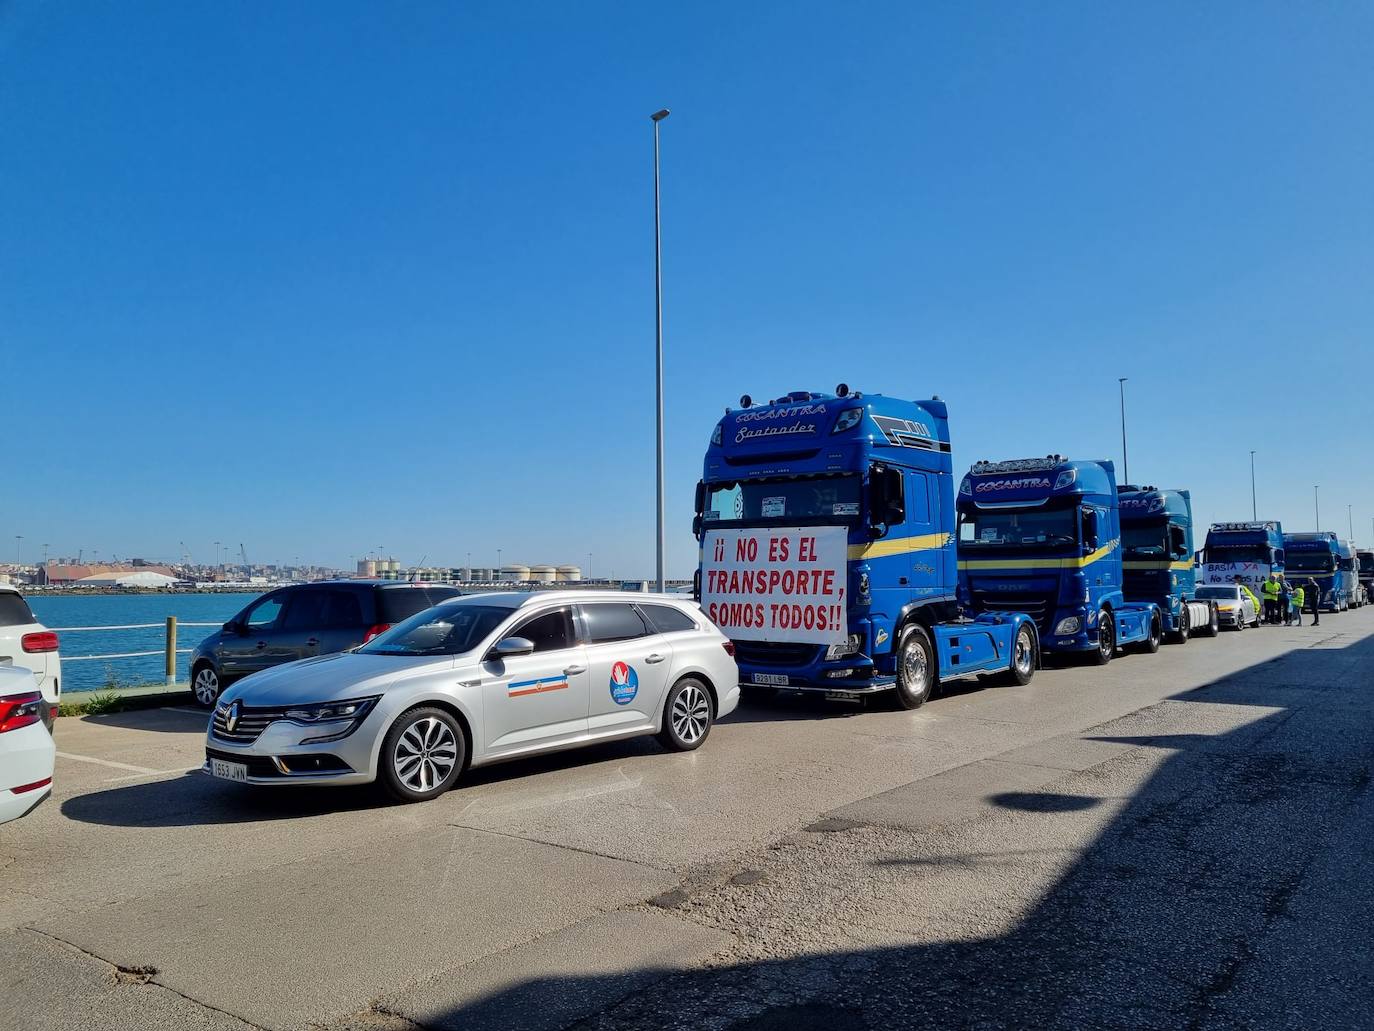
{"x": 1254, "y": 508}
{"x": 657, "y": 117}
{"x": 1125, "y": 462}
{"x": 1317, "y": 506}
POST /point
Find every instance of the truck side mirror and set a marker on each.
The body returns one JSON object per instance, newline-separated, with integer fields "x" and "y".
{"x": 696, "y": 525}
{"x": 700, "y": 498}
{"x": 1090, "y": 527}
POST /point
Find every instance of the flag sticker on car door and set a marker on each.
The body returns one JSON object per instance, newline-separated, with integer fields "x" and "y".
{"x": 521, "y": 688}
{"x": 624, "y": 683}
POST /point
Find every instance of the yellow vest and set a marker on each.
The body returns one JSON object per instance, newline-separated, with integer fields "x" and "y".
{"x": 1270, "y": 589}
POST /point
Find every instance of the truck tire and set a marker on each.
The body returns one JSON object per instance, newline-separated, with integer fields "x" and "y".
{"x": 916, "y": 668}
{"x": 1106, "y": 639}
{"x": 1151, "y": 644}
{"x": 1022, "y": 667}
{"x": 1184, "y": 630}
{"x": 1213, "y": 626}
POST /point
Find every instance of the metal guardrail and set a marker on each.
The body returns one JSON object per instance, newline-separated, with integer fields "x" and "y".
{"x": 169, "y": 651}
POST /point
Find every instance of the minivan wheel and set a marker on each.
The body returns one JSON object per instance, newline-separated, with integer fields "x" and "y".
{"x": 205, "y": 685}
{"x": 687, "y": 716}
{"x": 422, "y": 754}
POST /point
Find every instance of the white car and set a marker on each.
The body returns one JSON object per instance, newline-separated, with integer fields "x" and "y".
{"x": 27, "y": 751}
{"x": 28, "y": 643}
{"x": 1234, "y": 607}
{"x": 477, "y": 680}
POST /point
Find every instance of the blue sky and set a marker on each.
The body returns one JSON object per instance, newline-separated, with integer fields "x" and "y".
{"x": 322, "y": 277}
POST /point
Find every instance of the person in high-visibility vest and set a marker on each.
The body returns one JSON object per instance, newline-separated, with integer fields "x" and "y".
{"x": 1298, "y": 599}
{"x": 1270, "y": 590}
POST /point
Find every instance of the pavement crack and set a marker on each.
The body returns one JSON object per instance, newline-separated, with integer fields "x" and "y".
{"x": 563, "y": 845}
{"x": 138, "y": 975}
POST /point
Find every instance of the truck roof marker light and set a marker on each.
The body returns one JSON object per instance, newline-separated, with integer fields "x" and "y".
{"x": 716, "y": 435}
{"x": 1065, "y": 479}
{"x": 848, "y": 419}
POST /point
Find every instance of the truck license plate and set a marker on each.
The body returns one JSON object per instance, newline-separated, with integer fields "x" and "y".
{"x": 771, "y": 679}
{"x": 229, "y": 771}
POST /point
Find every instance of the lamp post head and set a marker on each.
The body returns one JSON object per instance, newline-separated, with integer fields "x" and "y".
{"x": 658, "y": 116}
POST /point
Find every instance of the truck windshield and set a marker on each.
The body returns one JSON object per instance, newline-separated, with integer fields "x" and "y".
{"x": 1150, "y": 539}
{"x": 1311, "y": 562}
{"x": 1021, "y": 527}
{"x": 833, "y": 498}
{"x": 1236, "y": 553}
{"x": 1367, "y": 563}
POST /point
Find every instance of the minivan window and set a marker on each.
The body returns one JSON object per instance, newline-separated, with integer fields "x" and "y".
{"x": 342, "y": 611}
{"x": 264, "y": 615}
{"x": 448, "y": 630}
{"x": 667, "y": 619}
{"x": 305, "y": 610}
{"x": 14, "y": 610}
{"x": 612, "y": 622}
{"x": 400, "y": 603}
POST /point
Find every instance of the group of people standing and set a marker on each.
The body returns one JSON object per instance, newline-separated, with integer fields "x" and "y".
{"x": 1284, "y": 602}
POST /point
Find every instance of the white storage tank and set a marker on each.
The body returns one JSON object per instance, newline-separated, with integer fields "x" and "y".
{"x": 367, "y": 568}
{"x": 515, "y": 573}
{"x": 569, "y": 574}
{"x": 543, "y": 574}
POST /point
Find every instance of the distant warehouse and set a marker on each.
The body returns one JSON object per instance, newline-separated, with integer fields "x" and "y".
{"x": 108, "y": 574}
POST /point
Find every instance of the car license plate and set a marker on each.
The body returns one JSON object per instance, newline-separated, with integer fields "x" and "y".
{"x": 771, "y": 679}
{"x": 229, "y": 771}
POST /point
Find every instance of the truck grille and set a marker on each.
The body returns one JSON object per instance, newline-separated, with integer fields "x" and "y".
{"x": 776, "y": 653}
{"x": 1040, "y": 609}
{"x": 252, "y": 722}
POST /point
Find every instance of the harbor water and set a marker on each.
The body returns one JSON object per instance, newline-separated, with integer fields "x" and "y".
{"x": 56, "y": 610}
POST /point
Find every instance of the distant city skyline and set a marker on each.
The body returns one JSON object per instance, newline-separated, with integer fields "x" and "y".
{"x": 401, "y": 290}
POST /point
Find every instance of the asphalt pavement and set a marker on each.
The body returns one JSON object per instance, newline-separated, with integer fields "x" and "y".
{"x": 1175, "y": 841}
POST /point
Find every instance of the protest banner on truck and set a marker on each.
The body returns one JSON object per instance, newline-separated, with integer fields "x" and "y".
{"x": 776, "y": 584}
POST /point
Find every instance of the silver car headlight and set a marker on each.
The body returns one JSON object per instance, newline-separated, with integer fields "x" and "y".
{"x": 1067, "y": 625}
{"x": 340, "y": 718}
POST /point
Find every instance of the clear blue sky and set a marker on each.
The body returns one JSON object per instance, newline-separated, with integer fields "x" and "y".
{"x": 321, "y": 277}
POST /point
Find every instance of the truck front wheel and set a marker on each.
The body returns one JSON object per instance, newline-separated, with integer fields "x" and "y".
{"x": 1106, "y": 639}
{"x": 916, "y": 668}
{"x": 1022, "y": 658}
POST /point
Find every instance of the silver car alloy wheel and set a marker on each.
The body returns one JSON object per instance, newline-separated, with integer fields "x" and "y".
{"x": 425, "y": 754}
{"x": 691, "y": 714}
{"x": 206, "y": 686}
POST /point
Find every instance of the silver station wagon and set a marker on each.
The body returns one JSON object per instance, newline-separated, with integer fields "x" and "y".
{"x": 477, "y": 680}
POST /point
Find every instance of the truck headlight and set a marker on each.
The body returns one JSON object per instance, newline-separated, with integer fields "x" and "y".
{"x": 1067, "y": 625}
{"x": 852, "y": 646}
{"x": 848, "y": 419}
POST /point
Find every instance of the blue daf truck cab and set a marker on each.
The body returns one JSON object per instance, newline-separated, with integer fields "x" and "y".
{"x": 1157, "y": 558}
{"x": 1318, "y": 556}
{"x": 1043, "y": 536}
{"x": 826, "y": 525}
{"x": 1248, "y": 550}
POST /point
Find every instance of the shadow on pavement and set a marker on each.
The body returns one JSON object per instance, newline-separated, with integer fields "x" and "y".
{"x": 1234, "y": 888}
{"x": 162, "y": 721}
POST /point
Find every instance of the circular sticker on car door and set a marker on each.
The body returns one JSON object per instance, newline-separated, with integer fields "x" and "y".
{"x": 624, "y": 683}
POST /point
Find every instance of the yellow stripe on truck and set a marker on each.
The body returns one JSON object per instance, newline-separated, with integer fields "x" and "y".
{"x": 1038, "y": 563}
{"x": 1157, "y": 564}
{"x": 900, "y": 546}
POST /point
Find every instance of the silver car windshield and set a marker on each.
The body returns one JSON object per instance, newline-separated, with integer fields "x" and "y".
{"x": 446, "y": 630}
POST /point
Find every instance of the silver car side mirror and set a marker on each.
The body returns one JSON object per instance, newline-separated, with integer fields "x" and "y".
{"x": 511, "y": 646}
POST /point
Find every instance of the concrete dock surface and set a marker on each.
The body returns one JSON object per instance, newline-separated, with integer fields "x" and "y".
{"x": 1173, "y": 841}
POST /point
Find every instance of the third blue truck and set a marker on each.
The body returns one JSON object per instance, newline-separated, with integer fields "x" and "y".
{"x": 1157, "y": 546}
